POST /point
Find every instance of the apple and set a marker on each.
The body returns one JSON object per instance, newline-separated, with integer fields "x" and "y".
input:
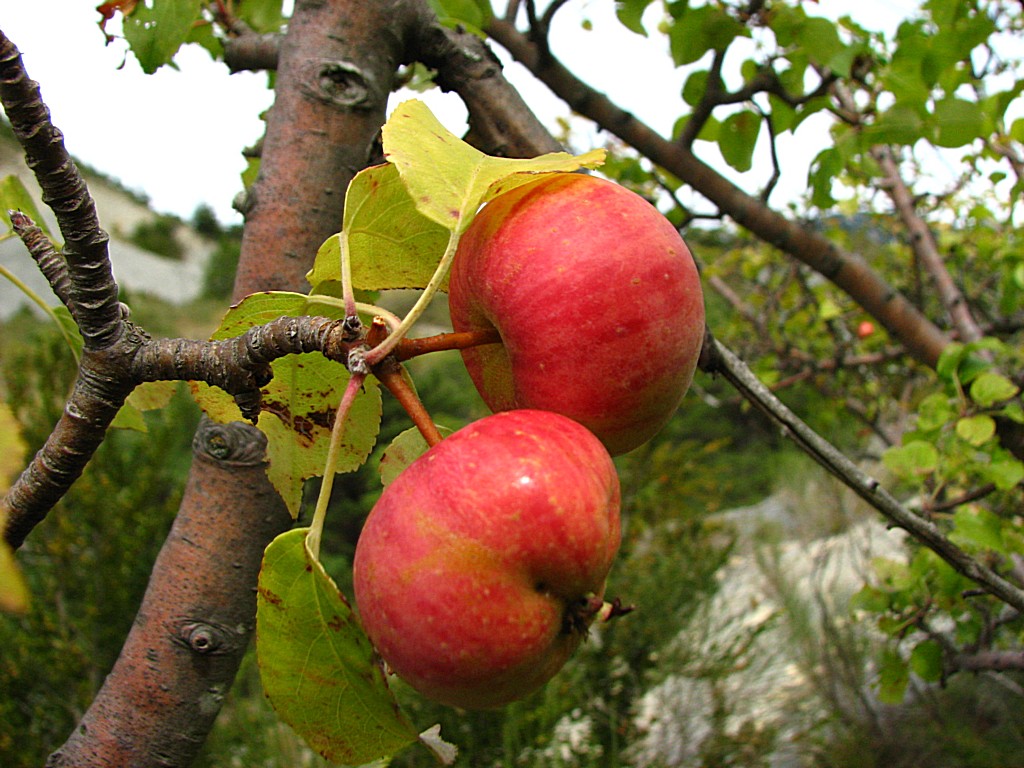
{"x": 865, "y": 329}
{"x": 482, "y": 565}
{"x": 596, "y": 299}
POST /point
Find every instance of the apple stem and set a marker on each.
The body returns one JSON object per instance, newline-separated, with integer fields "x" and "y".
{"x": 391, "y": 376}
{"x": 410, "y": 348}
{"x": 316, "y": 527}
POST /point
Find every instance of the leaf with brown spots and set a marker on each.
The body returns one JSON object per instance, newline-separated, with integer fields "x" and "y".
{"x": 299, "y": 402}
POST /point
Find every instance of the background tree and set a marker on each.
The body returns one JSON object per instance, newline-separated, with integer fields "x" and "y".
{"x": 890, "y": 291}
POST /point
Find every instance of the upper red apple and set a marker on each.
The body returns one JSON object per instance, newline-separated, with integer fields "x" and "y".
{"x": 597, "y": 301}
{"x": 482, "y": 564}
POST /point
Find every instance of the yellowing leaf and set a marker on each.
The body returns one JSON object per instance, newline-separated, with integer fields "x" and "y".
{"x": 391, "y": 244}
{"x": 448, "y": 179}
{"x": 14, "y": 595}
{"x": 12, "y": 448}
{"x": 299, "y": 407}
{"x": 317, "y": 666}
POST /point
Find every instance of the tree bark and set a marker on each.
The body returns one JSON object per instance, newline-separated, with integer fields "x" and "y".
{"x": 336, "y": 66}
{"x": 158, "y": 704}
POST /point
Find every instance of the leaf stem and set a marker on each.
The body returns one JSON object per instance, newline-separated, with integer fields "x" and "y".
{"x": 316, "y": 527}
{"x": 389, "y": 317}
{"x": 378, "y": 353}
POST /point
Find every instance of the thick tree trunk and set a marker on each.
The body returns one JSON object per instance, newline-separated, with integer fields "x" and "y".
{"x": 158, "y": 704}
{"x": 335, "y": 70}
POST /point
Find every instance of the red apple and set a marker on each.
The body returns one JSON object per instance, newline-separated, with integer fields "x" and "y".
{"x": 865, "y": 329}
{"x": 480, "y": 568}
{"x": 596, "y": 299}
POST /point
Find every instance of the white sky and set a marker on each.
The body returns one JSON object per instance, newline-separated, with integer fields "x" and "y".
{"x": 177, "y": 135}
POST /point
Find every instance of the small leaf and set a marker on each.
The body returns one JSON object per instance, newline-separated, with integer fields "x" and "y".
{"x": 957, "y": 122}
{"x": 471, "y": 14}
{"x": 934, "y": 412}
{"x": 976, "y": 430}
{"x": 631, "y": 14}
{"x": 317, "y": 666}
{"x": 915, "y": 458}
{"x": 926, "y": 661}
{"x": 403, "y": 451}
{"x": 156, "y": 29}
{"x": 737, "y": 138}
{"x": 14, "y": 196}
{"x": 991, "y": 388}
{"x": 148, "y": 396}
{"x": 978, "y": 527}
{"x": 1004, "y": 473}
{"x": 893, "y": 677}
{"x": 447, "y": 178}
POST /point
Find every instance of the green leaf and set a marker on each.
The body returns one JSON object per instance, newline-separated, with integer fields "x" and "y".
{"x": 447, "y": 178}
{"x": 915, "y": 458}
{"x": 391, "y": 244}
{"x": 870, "y": 599}
{"x": 631, "y": 12}
{"x": 893, "y": 677}
{"x": 976, "y": 430}
{"x": 155, "y": 30}
{"x": 949, "y": 360}
{"x": 978, "y": 527}
{"x": 898, "y": 125}
{"x": 926, "y": 661}
{"x": 824, "y": 169}
{"x": 991, "y": 388}
{"x": 403, "y": 451}
{"x": 317, "y": 666}
{"x": 695, "y": 87}
{"x": 934, "y": 412}
{"x": 957, "y": 122}
{"x": 699, "y": 30}
{"x": 819, "y": 39}
{"x": 14, "y": 196}
{"x": 300, "y": 401}
{"x": 148, "y": 396}
{"x": 1004, "y": 473}
{"x": 472, "y": 14}
{"x": 737, "y": 138}
{"x": 262, "y": 16}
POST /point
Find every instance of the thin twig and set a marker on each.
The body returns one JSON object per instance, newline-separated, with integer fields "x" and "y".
{"x": 718, "y": 359}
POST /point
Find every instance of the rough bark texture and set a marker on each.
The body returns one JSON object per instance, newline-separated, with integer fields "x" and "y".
{"x": 336, "y": 67}
{"x": 335, "y": 70}
{"x": 159, "y": 702}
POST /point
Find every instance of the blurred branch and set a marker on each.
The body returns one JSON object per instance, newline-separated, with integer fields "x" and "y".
{"x": 922, "y": 339}
{"x": 718, "y": 359}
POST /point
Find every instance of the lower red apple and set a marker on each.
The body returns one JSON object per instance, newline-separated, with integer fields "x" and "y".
{"x": 482, "y": 565}
{"x": 597, "y": 301}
